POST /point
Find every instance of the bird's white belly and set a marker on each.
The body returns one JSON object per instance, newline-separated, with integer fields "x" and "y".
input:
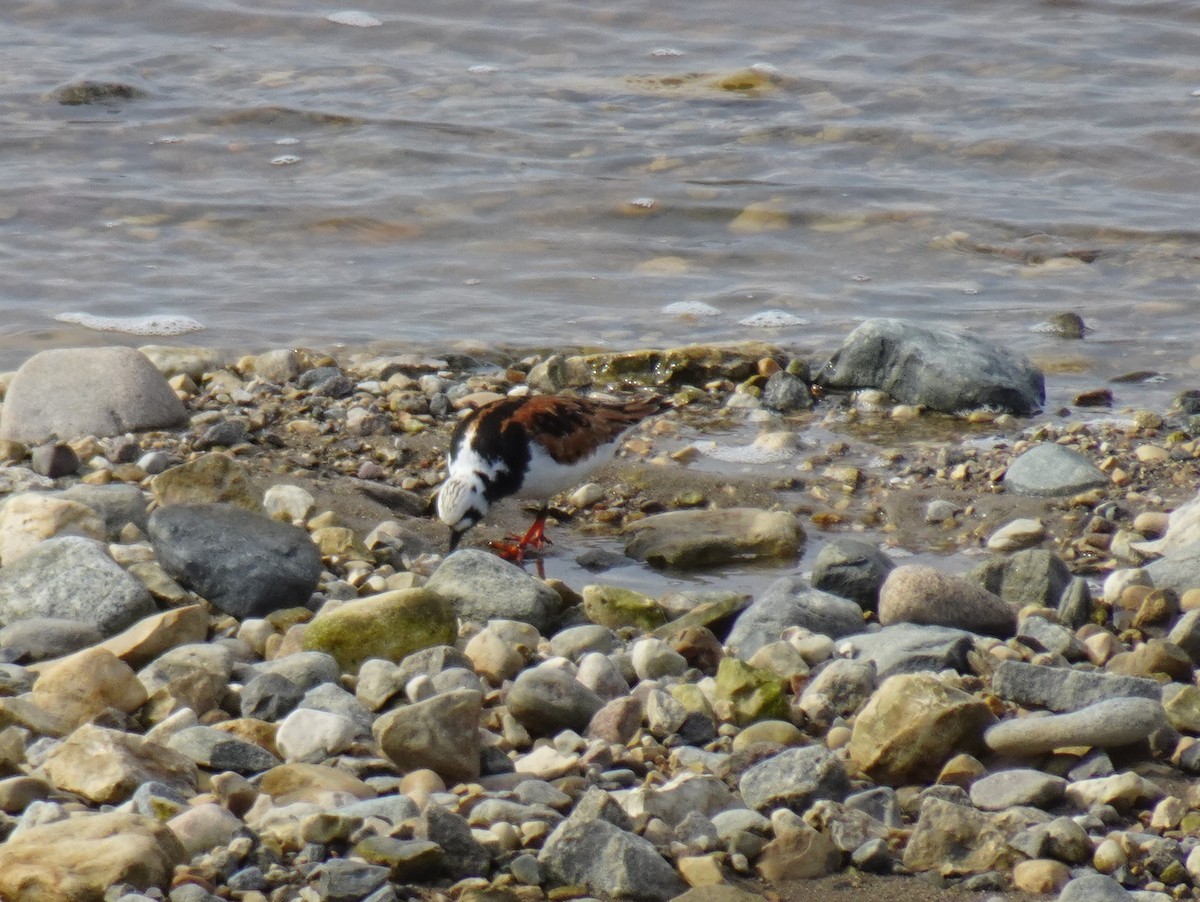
{"x": 547, "y": 477}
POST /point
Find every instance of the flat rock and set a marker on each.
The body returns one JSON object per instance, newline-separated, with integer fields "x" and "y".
{"x": 90, "y": 854}
{"x": 1109, "y": 723}
{"x": 912, "y": 725}
{"x": 1018, "y": 786}
{"x": 791, "y": 601}
{"x": 75, "y": 579}
{"x": 852, "y": 569}
{"x": 389, "y": 626}
{"x": 916, "y": 593}
{"x": 1050, "y": 470}
{"x": 243, "y": 563}
{"x": 482, "y": 587}
{"x": 72, "y": 392}
{"x": 441, "y": 734}
{"x": 942, "y": 369}
{"x": 43, "y": 638}
{"x": 1063, "y": 689}
{"x": 220, "y": 751}
{"x": 208, "y": 479}
{"x": 794, "y": 779}
{"x": 707, "y": 538}
{"x": 912, "y": 648}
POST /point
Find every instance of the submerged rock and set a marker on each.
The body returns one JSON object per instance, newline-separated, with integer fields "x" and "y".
{"x": 705, "y": 538}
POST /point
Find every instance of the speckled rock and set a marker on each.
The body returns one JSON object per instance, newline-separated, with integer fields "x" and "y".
{"x": 243, "y": 563}
{"x": 1050, "y": 469}
{"x": 912, "y": 648}
{"x": 1019, "y": 786}
{"x": 915, "y": 593}
{"x": 912, "y": 725}
{"x": 75, "y": 579}
{"x": 30, "y": 518}
{"x": 791, "y": 601}
{"x": 71, "y": 392}
{"x": 942, "y": 369}
{"x": 482, "y": 587}
{"x": 794, "y": 779}
{"x": 1062, "y": 689}
{"x": 441, "y": 733}
{"x": 106, "y": 766}
{"x": 957, "y": 839}
{"x": 208, "y": 479}
{"x": 389, "y": 626}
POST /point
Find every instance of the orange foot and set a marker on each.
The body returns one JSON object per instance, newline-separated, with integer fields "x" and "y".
{"x": 513, "y": 548}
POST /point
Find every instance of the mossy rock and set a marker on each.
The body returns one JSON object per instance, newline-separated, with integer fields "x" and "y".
{"x": 675, "y": 367}
{"x": 716, "y": 613}
{"x": 615, "y": 608}
{"x": 390, "y": 626}
{"x": 746, "y": 694}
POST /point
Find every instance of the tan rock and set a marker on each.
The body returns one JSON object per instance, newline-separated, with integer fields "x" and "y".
{"x": 912, "y": 725}
{"x": 90, "y": 854}
{"x": 82, "y": 685}
{"x": 209, "y": 478}
{"x": 1040, "y": 876}
{"x": 701, "y": 870}
{"x": 20, "y": 711}
{"x": 955, "y": 839}
{"x": 33, "y": 517}
{"x": 962, "y": 770}
{"x": 917, "y": 593}
{"x": 106, "y": 766}
{"x": 161, "y": 585}
{"x": 297, "y": 782}
{"x": 801, "y": 853}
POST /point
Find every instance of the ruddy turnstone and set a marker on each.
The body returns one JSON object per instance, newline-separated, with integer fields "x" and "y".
{"x": 534, "y": 446}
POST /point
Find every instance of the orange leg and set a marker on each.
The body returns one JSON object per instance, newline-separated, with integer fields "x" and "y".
{"x": 513, "y": 548}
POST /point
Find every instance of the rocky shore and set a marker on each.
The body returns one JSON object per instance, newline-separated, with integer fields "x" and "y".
{"x": 236, "y": 664}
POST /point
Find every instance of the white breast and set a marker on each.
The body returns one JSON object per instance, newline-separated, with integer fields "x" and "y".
{"x": 547, "y": 477}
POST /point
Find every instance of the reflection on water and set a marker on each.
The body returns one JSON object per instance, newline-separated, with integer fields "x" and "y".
{"x": 572, "y": 172}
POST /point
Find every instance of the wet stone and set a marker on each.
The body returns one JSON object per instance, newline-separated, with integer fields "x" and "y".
{"x": 1051, "y": 469}
{"x": 852, "y": 569}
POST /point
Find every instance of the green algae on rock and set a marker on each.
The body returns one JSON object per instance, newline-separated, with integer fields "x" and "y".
{"x": 745, "y": 694}
{"x": 390, "y": 626}
{"x": 615, "y": 607}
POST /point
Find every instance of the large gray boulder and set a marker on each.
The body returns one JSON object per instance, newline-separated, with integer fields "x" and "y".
{"x": 72, "y": 392}
{"x": 241, "y": 562}
{"x": 790, "y": 601}
{"x": 942, "y": 369}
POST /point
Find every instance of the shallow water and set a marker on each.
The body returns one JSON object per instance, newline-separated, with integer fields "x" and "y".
{"x": 546, "y": 173}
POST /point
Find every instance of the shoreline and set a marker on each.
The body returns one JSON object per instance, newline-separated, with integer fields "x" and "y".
{"x": 364, "y": 443}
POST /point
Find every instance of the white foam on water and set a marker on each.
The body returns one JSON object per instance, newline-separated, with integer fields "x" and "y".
{"x": 134, "y": 325}
{"x": 287, "y": 159}
{"x": 483, "y": 69}
{"x": 691, "y": 308}
{"x": 353, "y": 17}
{"x": 772, "y": 319}
{"x": 666, "y": 51}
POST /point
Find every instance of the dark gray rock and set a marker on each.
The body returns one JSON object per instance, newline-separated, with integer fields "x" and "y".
{"x": 347, "y": 880}
{"x": 73, "y": 578}
{"x": 546, "y": 701}
{"x": 465, "y": 857}
{"x": 940, "y": 368}
{"x": 483, "y": 587}
{"x": 1034, "y": 576}
{"x": 218, "y": 750}
{"x": 43, "y": 638}
{"x": 53, "y": 460}
{"x": 1051, "y": 469}
{"x": 1063, "y": 689}
{"x": 71, "y": 392}
{"x": 243, "y": 563}
{"x": 912, "y": 648}
{"x": 269, "y": 697}
{"x": 1041, "y": 635}
{"x": 791, "y": 601}
{"x": 785, "y": 393}
{"x": 1075, "y": 604}
{"x": 852, "y": 569}
{"x": 795, "y": 778}
{"x": 612, "y": 863}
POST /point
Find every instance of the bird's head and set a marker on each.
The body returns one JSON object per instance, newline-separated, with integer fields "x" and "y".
{"x": 460, "y": 505}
